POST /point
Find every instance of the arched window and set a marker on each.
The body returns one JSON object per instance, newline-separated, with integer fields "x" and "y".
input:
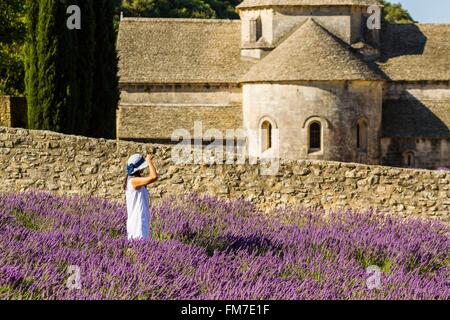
{"x": 361, "y": 136}
{"x": 266, "y": 141}
{"x": 408, "y": 158}
{"x": 315, "y": 143}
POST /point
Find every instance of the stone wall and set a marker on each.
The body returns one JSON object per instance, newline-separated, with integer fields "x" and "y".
{"x": 425, "y": 152}
{"x": 151, "y": 113}
{"x": 347, "y": 23}
{"x": 182, "y": 94}
{"x": 42, "y": 160}
{"x": 336, "y": 105}
{"x": 13, "y": 111}
{"x": 416, "y": 121}
{"x": 278, "y": 22}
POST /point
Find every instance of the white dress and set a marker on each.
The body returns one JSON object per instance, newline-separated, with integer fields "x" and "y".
{"x": 138, "y": 222}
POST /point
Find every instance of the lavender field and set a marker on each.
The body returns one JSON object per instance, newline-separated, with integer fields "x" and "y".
{"x": 205, "y": 248}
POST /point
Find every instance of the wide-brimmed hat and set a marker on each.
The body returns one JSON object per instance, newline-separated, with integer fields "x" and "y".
{"x": 135, "y": 163}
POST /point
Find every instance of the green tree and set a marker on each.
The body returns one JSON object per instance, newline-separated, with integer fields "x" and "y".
{"x": 395, "y": 13}
{"x": 85, "y": 64}
{"x": 31, "y": 64}
{"x": 168, "y": 8}
{"x": 221, "y": 9}
{"x": 12, "y": 36}
{"x": 105, "y": 79}
{"x": 224, "y": 9}
{"x": 59, "y": 67}
{"x": 218, "y": 9}
{"x": 46, "y": 113}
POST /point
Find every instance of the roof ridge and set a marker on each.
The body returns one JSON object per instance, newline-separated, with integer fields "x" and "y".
{"x": 189, "y": 20}
{"x": 268, "y": 3}
{"x": 433, "y": 24}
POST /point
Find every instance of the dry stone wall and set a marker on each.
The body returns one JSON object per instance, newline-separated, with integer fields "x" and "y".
{"x": 42, "y": 160}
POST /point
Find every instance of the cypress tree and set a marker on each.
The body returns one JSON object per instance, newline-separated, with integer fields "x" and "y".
{"x": 49, "y": 104}
{"x": 30, "y": 63}
{"x": 78, "y": 66}
{"x": 106, "y": 91}
{"x": 66, "y": 88}
{"x": 86, "y": 65}
{"x": 59, "y": 68}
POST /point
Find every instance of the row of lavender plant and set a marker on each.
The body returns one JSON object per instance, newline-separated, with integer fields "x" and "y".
{"x": 206, "y": 248}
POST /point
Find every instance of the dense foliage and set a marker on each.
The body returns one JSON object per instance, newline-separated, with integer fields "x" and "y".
{"x": 58, "y": 67}
{"x": 12, "y": 35}
{"x": 181, "y": 8}
{"x": 105, "y": 79}
{"x": 395, "y": 13}
{"x": 205, "y": 248}
{"x": 71, "y": 75}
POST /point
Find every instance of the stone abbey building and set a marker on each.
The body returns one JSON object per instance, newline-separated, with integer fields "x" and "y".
{"x": 332, "y": 88}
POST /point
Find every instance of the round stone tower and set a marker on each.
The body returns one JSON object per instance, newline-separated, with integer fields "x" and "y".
{"x": 319, "y": 97}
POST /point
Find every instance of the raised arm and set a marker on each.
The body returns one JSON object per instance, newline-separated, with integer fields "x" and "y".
{"x": 139, "y": 182}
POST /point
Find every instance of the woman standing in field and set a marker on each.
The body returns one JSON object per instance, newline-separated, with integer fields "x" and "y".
{"x": 137, "y": 198}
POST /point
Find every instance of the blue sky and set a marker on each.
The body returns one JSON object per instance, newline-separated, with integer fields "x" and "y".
{"x": 427, "y": 11}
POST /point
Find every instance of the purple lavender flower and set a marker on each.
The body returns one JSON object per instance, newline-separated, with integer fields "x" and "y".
{"x": 206, "y": 248}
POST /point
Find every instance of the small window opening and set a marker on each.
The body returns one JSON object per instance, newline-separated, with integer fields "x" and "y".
{"x": 409, "y": 159}
{"x": 315, "y": 136}
{"x": 361, "y": 136}
{"x": 255, "y": 29}
{"x": 266, "y": 128}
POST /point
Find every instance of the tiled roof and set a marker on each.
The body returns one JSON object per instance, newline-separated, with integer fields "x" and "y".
{"x": 180, "y": 51}
{"x": 416, "y": 52}
{"x": 416, "y": 118}
{"x": 311, "y": 53}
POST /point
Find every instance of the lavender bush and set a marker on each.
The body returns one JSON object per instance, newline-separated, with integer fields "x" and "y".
{"x": 205, "y": 248}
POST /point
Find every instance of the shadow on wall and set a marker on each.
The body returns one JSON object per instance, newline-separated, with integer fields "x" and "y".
{"x": 408, "y": 152}
{"x": 409, "y": 120}
{"x": 401, "y": 39}
{"x": 411, "y": 117}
